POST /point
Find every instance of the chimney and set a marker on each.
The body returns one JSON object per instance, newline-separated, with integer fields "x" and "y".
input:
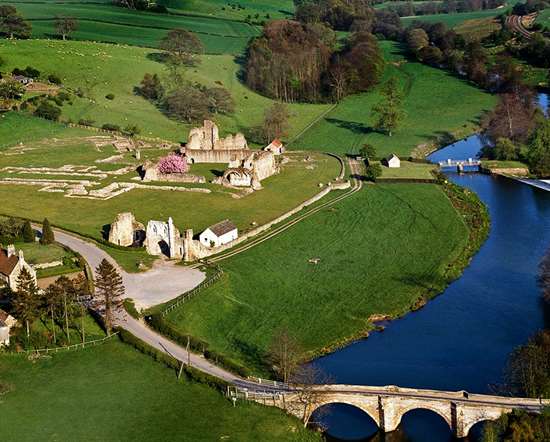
{"x": 11, "y": 250}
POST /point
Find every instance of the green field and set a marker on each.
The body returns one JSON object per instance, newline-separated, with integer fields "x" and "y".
{"x": 106, "y": 23}
{"x": 114, "y": 393}
{"x": 409, "y": 170}
{"x": 439, "y": 107}
{"x": 378, "y": 253}
{"x": 99, "y": 69}
{"x": 452, "y": 20}
{"x": 36, "y": 253}
{"x": 223, "y": 8}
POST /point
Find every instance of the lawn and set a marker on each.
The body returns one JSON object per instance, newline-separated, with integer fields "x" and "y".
{"x": 544, "y": 17}
{"x": 107, "y": 23}
{"x": 439, "y": 107}
{"x": 36, "y": 253}
{"x": 100, "y": 69}
{"x": 452, "y": 20}
{"x": 409, "y": 170}
{"x": 379, "y": 252}
{"x": 234, "y": 10}
{"x": 112, "y": 392}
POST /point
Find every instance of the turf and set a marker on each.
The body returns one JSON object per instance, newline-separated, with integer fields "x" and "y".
{"x": 102, "y": 22}
{"x": 439, "y": 107}
{"x": 544, "y": 17}
{"x": 452, "y": 20}
{"x": 234, "y": 10}
{"x": 378, "y": 252}
{"x": 36, "y": 253}
{"x": 112, "y": 392}
{"x": 99, "y": 69}
{"x": 409, "y": 170}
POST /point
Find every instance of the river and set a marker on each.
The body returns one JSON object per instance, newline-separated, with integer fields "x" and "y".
{"x": 461, "y": 339}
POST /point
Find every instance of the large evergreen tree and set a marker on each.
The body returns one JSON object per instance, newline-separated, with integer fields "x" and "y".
{"x": 539, "y": 150}
{"x": 28, "y": 232}
{"x": 109, "y": 291}
{"x": 48, "y": 236}
{"x": 26, "y": 299}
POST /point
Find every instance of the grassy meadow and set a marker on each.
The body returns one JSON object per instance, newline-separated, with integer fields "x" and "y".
{"x": 112, "y": 392}
{"x": 257, "y": 9}
{"x": 439, "y": 107}
{"x": 544, "y": 17}
{"x": 378, "y": 253}
{"x": 106, "y": 23}
{"x": 100, "y": 69}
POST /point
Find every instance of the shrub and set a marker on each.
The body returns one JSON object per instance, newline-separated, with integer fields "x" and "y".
{"x": 111, "y": 127}
{"x": 29, "y": 71}
{"x": 48, "y": 236}
{"x": 373, "y": 171}
{"x": 28, "y": 232}
{"x": 85, "y": 122}
{"x": 130, "y": 308}
{"x": 110, "y": 96}
{"x": 48, "y": 111}
{"x": 54, "y": 79}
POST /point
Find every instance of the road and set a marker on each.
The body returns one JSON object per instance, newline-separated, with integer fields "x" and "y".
{"x": 515, "y": 23}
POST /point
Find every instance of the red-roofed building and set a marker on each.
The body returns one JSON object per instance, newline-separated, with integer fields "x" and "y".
{"x": 276, "y": 147}
{"x": 11, "y": 264}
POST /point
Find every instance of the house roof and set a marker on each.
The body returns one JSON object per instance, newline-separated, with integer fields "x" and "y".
{"x": 7, "y": 264}
{"x": 391, "y": 156}
{"x": 222, "y": 227}
{"x": 276, "y": 142}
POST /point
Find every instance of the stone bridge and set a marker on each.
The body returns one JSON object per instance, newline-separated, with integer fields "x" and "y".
{"x": 387, "y": 405}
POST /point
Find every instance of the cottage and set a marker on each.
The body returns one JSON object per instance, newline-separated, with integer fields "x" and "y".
{"x": 219, "y": 234}
{"x": 392, "y": 161}
{"x": 11, "y": 265}
{"x": 276, "y": 147}
{"x": 7, "y": 322}
{"x": 25, "y": 81}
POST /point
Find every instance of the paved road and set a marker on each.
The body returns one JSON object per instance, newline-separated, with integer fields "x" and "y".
{"x": 163, "y": 282}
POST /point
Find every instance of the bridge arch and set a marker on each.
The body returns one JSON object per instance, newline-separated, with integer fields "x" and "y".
{"x": 368, "y": 409}
{"x": 469, "y": 425}
{"x": 445, "y": 415}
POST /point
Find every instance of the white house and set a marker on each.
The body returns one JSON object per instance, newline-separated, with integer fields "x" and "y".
{"x": 219, "y": 234}
{"x": 392, "y": 161}
{"x": 11, "y": 264}
{"x": 6, "y": 323}
{"x": 276, "y": 147}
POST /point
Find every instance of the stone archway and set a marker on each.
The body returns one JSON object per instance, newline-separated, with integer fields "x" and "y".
{"x": 369, "y": 409}
{"x": 393, "y": 421}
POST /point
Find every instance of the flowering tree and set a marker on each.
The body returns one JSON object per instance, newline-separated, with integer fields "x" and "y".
{"x": 173, "y": 163}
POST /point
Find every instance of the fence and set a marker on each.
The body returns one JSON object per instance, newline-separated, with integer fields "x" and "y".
{"x": 187, "y": 295}
{"x": 66, "y": 348}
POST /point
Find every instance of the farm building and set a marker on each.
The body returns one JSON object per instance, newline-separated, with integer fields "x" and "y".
{"x": 219, "y": 234}
{"x": 11, "y": 265}
{"x": 392, "y": 161}
{"x": 276, "y": 147}
{"x": 25, "y": 81}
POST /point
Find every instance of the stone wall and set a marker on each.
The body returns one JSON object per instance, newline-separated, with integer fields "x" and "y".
{"x": 207, "y": 138}
{"x": 215, "y": 156}
{"x": 125, "y": 230}
{"x": 150, "y": 172}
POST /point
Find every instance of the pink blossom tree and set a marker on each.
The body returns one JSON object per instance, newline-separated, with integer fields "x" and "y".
{"x": 173, "y": 163}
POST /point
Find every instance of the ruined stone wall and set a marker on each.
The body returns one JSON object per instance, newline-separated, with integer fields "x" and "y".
{"x": 215, "y": 156}
{"x": 152, "y": 174}
{"x": 264, "y": 165}
{"x": 125, "y": 229}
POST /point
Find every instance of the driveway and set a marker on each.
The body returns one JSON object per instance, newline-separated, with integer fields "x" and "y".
{"x": 163, "y": 282}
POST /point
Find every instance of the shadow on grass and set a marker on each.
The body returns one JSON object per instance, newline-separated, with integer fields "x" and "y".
{"x": 254, "y": 356}
{"x": 353, "y": 126}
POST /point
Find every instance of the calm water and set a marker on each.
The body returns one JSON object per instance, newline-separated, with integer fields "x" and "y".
{"x": 461, "y": 339}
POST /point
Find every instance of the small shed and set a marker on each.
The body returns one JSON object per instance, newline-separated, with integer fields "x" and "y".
{"x": 276, "y": 147}
{"x": 392, "y": 161}
{"x": 219, "y": 234}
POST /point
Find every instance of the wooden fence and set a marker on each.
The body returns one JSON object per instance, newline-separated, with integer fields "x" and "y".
{"x": 187, "y": 295}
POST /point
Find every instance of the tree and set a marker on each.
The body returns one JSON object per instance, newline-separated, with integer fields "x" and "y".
{"x": 275, "y": 123}
{"x": 388, "y": 111}
{"x": 151, "y": 87}
{"x": 173, "y": 163}
{"x": 188, "y": 104}
{"x": 109, "y": 291}
{"x": 65, "y": 26}
{"x": 544, "y": 276}
{"x": 12, "y": 24}
{"x": 220, "y": 100}
{"x": 417, "y": 39}
{"x": 505, "y": 150}
{"x": 373, "y": 171}
{"x": 48, "y": 236}
{"x": 367, "y": 151}
{"x": 28, "y": 232}
{"x": 539, "y": 150}
{"x": 285, "y": 353}
{"x": 182, "y": 46}
{"x": 11, "y": 90}
{"x": 53, "y": 299}
{"x": 26, "y": 299}
{"x": 48, "y": 111}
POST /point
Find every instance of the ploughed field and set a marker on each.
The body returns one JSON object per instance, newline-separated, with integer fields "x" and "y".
{"x": 98, "y": 69}
{"x": 438, "y": 108}
{"x": 113, "y": 392}
{"x": 379, "y": 252}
